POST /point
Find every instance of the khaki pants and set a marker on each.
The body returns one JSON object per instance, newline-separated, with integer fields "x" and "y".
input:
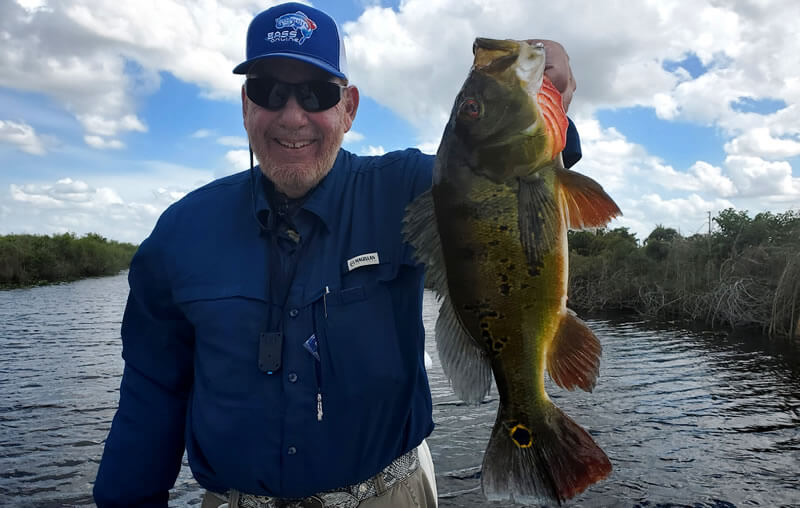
{"x": 416, "y": 491}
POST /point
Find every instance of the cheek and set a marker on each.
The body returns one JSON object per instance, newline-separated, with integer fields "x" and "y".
{"x": 256, "y": 120}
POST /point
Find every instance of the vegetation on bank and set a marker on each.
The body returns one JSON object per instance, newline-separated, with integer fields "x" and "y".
{"x": 746, "y": 273}
{"x": 27, "y": 260}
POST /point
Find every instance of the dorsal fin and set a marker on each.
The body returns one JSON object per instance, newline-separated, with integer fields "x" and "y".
{"x": 420, "y": 230}
{"x": 587, "y": 204}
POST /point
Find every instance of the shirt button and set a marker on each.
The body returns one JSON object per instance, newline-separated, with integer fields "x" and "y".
{"x": 294, "y": 313}
{"x": 292, "y": 377}
{"x": 292, "y": 450}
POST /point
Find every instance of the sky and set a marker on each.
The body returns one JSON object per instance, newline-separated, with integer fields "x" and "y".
{"x": 111, "y": 110}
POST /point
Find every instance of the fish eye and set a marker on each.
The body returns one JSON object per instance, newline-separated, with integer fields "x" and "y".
{"x": 471, "y": 107}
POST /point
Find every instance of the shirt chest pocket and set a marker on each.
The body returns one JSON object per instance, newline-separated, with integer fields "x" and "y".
{"x": 228, "y": 321}
{"x": 360, "y": 340}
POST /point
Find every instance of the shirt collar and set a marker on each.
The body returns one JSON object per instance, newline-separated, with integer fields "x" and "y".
{"x": 323, "y": 199}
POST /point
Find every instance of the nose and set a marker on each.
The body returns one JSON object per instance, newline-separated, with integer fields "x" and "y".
{"x": 292, "y": 114}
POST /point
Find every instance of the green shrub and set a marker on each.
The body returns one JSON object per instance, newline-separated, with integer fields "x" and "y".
{"x": 35, "y": 259}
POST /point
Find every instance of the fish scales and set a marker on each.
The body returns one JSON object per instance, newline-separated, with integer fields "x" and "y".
{"x": 492, "y": 232}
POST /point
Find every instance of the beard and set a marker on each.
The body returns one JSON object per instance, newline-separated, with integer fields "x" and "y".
{"x": 295, "y": 178}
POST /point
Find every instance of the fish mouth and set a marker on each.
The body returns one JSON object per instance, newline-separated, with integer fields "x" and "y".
{"x": 494, "y": 55}
{"x": 485, "y": 43}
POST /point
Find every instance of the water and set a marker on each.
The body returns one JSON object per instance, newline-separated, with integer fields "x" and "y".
{"x": 687, "y": 418}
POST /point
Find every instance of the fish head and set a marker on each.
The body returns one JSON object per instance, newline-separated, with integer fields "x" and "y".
{"x": 508, "y": 108}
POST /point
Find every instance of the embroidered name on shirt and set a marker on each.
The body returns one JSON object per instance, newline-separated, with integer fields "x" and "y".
{"x": 362, "y": 260}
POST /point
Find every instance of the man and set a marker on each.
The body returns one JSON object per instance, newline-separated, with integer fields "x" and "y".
{"x": 273, "y": 327}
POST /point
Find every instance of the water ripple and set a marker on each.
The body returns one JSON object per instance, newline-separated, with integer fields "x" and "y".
{"x": 688, "y": 418}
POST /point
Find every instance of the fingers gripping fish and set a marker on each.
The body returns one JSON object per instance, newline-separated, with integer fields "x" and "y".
{"x": 492, "y": 232}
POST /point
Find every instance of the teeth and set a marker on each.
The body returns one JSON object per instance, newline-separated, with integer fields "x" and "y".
{"x": 293, "y": 144}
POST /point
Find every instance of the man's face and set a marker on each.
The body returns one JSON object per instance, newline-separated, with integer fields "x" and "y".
{"x": 295, "y": 148}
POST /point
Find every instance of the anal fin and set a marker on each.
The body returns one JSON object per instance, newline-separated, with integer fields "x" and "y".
{"x": 464, "y": 362}
{"x": 573, "y": 359}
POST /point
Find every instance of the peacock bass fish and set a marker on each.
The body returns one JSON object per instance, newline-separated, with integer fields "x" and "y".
{"x": 492, "y": 232}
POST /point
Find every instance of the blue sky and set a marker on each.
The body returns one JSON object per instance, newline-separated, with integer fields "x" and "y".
{"x": 109, "y": 110}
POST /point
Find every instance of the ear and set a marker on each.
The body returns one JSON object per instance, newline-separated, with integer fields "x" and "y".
{"x": 350, "y": 97}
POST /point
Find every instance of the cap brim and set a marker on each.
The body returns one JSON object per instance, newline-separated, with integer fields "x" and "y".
{"x": 243, "y": 67}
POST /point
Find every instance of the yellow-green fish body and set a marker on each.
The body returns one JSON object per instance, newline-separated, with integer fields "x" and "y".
{"x": 492, "y": 232}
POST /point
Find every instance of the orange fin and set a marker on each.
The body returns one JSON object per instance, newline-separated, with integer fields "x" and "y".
{"x": 551, "y": 106}
{"x": 574, "y": 356}
{"x": 587, "y": 204}
{"x": 542, "y": 460}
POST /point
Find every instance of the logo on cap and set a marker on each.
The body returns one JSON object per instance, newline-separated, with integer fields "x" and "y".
{"x": 299, "y": 28}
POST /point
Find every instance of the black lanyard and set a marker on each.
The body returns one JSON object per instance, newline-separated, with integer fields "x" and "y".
{"x": 282, "y": 265}
{"x": 282, "y": 269}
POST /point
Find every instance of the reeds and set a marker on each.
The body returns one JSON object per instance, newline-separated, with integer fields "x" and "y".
{"x": 745, "y": 274}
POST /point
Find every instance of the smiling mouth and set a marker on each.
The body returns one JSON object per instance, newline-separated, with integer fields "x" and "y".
{"x": 295, "y": 145}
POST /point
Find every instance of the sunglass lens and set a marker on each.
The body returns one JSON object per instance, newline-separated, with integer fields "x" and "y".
{"x": 278, "y": 96}
{"x": 328, "y": 94}
{"x": 308, "y": 97}
{"x": 312, "y": 96}
{"x": 260, "y": 91}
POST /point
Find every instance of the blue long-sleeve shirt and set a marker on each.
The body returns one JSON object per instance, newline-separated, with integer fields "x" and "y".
{"x": 200, "y": 302}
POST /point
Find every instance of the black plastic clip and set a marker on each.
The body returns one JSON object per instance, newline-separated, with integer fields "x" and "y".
{"x": 269, "y": 352}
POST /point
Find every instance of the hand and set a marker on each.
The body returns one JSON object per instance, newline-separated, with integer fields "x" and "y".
{"x": 557, "y": 69}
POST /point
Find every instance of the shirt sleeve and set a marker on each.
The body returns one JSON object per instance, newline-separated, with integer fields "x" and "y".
{"x": 572, "y": 151}
{"x": 142, "y": 455}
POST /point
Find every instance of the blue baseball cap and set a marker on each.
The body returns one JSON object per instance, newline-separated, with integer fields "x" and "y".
{"x": 296, "y": 31}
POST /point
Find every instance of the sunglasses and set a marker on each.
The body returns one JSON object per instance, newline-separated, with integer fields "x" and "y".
{"x": 313, "y": 96}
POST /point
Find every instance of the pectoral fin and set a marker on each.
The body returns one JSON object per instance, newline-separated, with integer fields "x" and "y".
{"x": 464, "y": 362}
{"x": 573, "y": 358}
{"x": 420, "y": 230}
{"x": 538, "y": 218}
{"x": 587, "y": 204}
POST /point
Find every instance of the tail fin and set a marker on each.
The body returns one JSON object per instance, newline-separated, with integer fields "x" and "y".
{"x": 551, "y": 459}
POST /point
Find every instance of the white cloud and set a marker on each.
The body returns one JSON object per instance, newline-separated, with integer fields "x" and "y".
{"x": 103, "y": 126}
{"x": 711, "y": 178}
{"x": 202, "y": 133}
{"x": 761, "y": 142}
{"x": 97, "y": 58}
{"x": 401, "y": 57}
{"x": 429, "y": 147}
{"x": 100, "y": 60}
{"x": 755, "y": 177}
{"x": 235, "y": 141}
{"x": 373, "y": 150}
{"x": 101, "y": 143}
{"x": 66, "y": 193}
{"x": 689, "y": 215}
{"x": 119, "y": 206}
{"x": 665, "y": 105}
{"x": 352, "y": 136}
{"x": 168, "y": 196}
{"x": 611, "y": 159}
{"x": 21, "y": 135}
{"x": 238, "y": 160}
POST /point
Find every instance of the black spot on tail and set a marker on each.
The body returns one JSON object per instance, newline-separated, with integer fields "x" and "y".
{"x": 521, "y": 436}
